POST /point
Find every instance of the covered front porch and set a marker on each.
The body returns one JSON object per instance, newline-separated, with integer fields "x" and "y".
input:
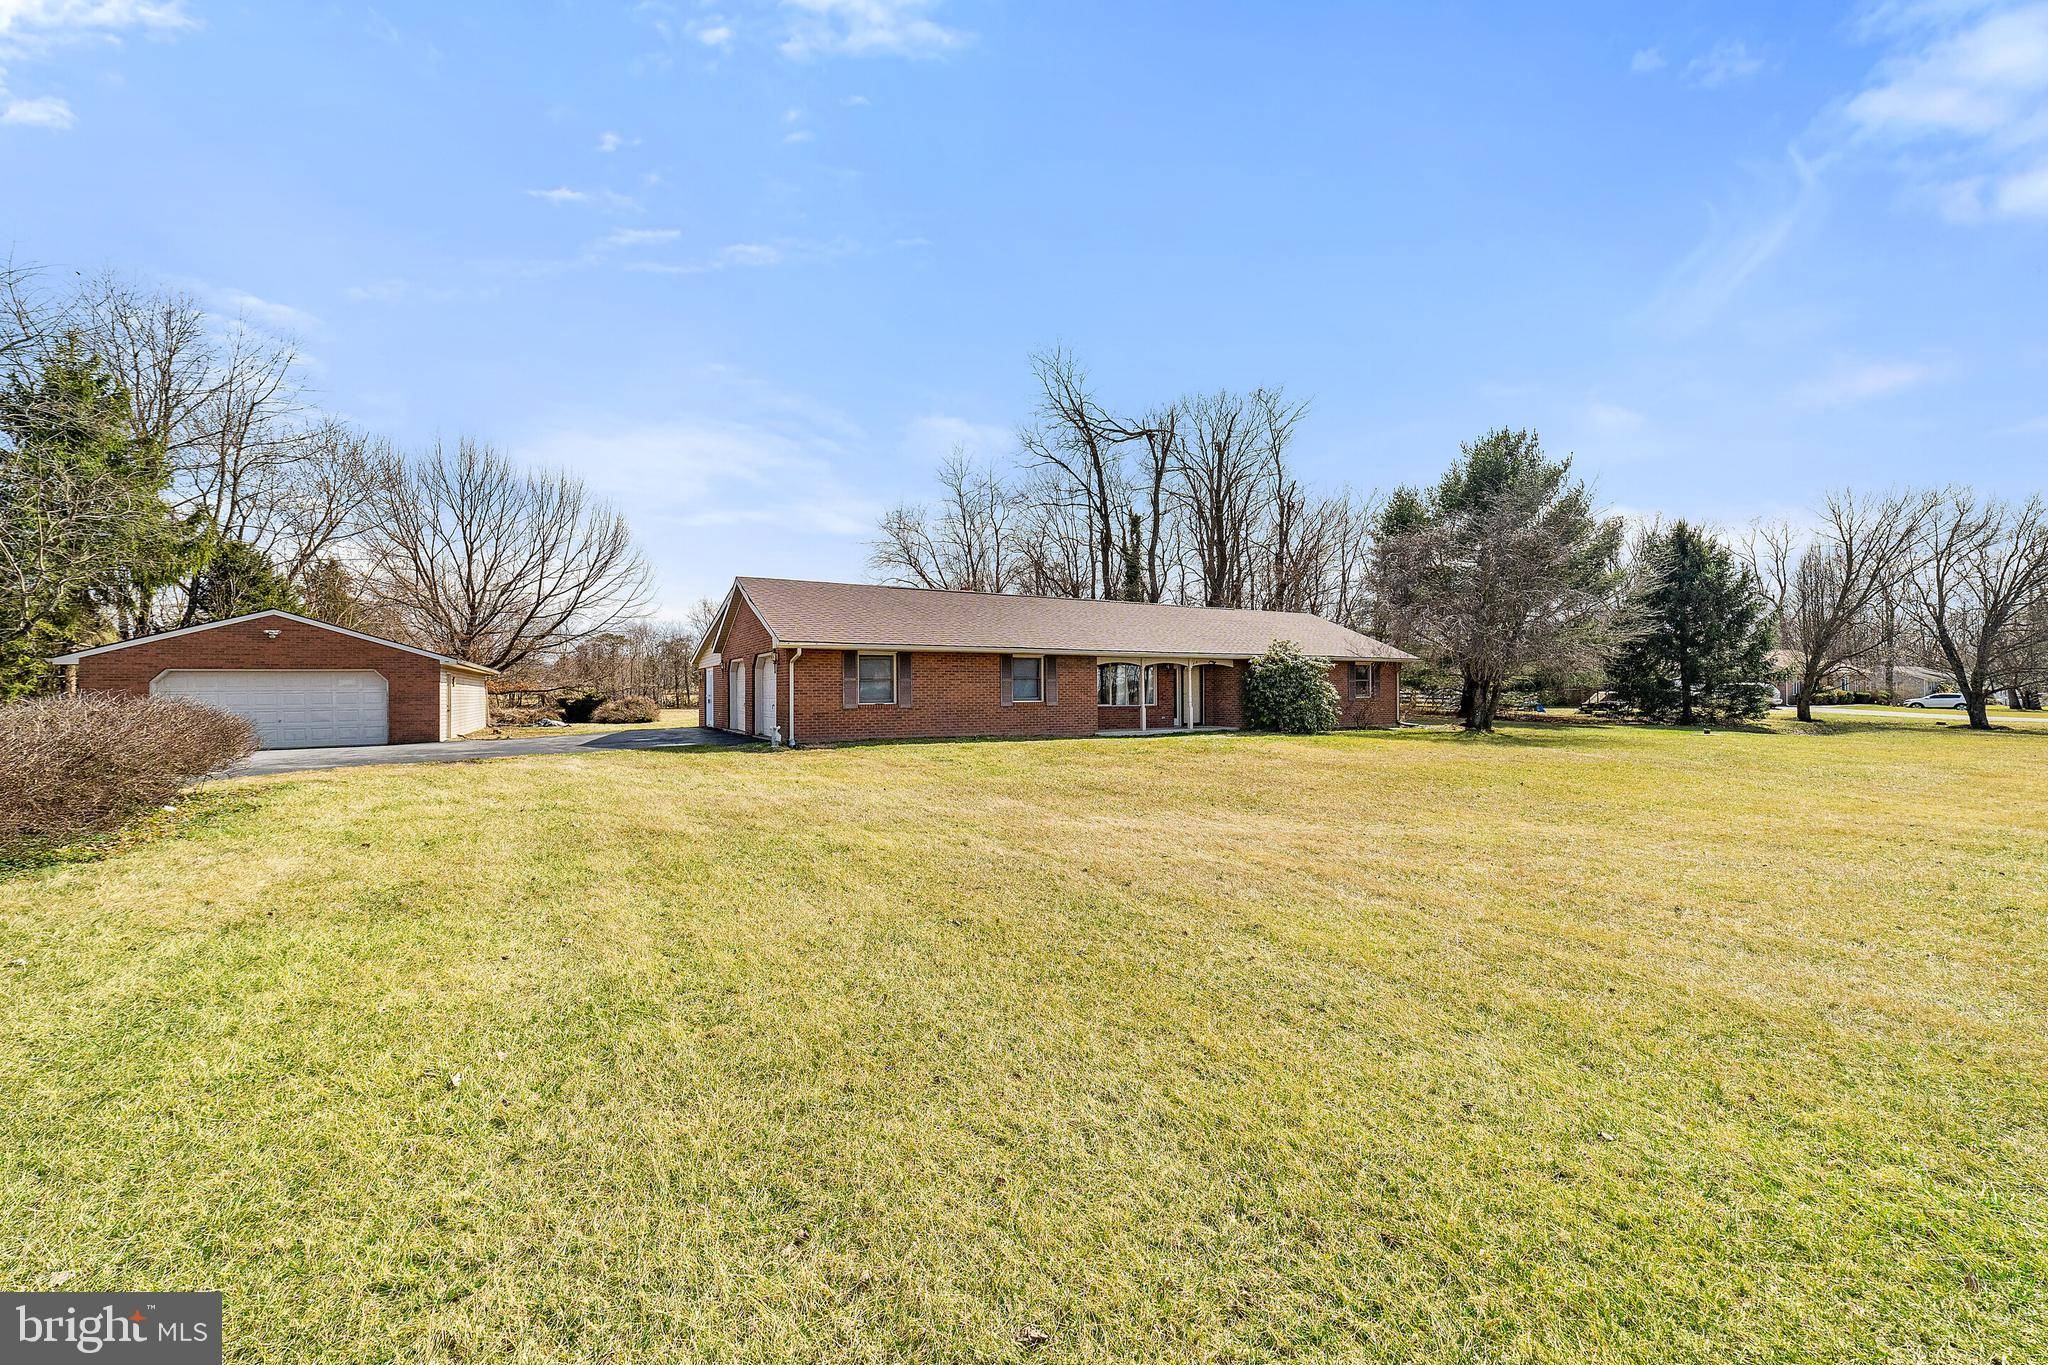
{"x": 1148, "y": 694}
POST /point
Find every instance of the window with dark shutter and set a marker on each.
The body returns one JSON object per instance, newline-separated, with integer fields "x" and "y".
{"x": 876, "y": 684}
{"x": 903, "y": 679}
{"x": 1025, "y": 679}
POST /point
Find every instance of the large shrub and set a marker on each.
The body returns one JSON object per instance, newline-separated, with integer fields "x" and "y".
{"x": 579, "y": 707}
{"x": 1289, "y": 691}
{"x": 627, "y": 711}
{"x": 77, "y": 765}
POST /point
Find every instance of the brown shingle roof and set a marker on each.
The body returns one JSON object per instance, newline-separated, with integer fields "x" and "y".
{"x": 836, "y": 615}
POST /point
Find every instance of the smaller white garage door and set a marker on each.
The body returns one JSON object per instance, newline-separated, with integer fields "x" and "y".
{"x": 290, "y": 708}
{"x": 465, "y": 704}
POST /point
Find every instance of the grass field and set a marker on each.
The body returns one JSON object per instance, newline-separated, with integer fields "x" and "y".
{"x": 1571, "y": 1044}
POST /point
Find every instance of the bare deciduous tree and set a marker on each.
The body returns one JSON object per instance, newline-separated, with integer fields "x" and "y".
{"x": 488, "y": 562}
{"x": 1978, "y": 587}
{"x": 964, "y": 544}
{"x": 1824, "y": 588}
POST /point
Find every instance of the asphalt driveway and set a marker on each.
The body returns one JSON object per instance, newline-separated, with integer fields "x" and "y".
{"x": 463, "y": 750}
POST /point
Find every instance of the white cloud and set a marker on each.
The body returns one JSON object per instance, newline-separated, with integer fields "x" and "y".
{"x": 632, "y": 237}
{"x": 32, "y": 29}
{"x": 46, "y": 111}
{"x": 856, "y": 102}
{"x": 751, "y": 253}
{"x": 605, "y": 199}
{"x": 2024, "y": 195}
{"x": 32, "y": 22}
{"x": 1852, "y": 383}
{"x": 716, "y": 34}
{"x": 760, "y": 482}
{"x": 611, "y": 142}
{"x": 1646, "y": 61}
{"x": 754, "y": 255}
{"x": 2033, "y": 426}
{"x": 1613, "y": 419}
{"x": 1725, "y": 64}
{"x": 867, "y": 28}
{"x": 1737, "y": 246}
{"x": 800, "y": 135}
{"x": 250, "y": 311}
{"x": 1962, "y": 96}
{"x": 931, "y": 438}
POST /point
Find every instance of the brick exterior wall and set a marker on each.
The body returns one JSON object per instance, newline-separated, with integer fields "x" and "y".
{"x": 1358, "y": 712}
{"x": 960, "y": 695}
{"x": 950, "y": 694}
{"x": 412, "y": 681}
{"x": 1223, "y": 695}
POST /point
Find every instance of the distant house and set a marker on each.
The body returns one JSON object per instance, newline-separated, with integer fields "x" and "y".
{"x": 803, "y": 662}
{"x": 1907, "y": 680}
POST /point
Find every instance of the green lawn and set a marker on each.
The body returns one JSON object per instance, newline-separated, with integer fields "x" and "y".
{"x": 1573, "y": 1044}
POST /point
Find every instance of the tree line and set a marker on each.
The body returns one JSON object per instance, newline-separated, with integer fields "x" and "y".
{"x": 1504, "y": 571}
{"x": 163, "y": 466}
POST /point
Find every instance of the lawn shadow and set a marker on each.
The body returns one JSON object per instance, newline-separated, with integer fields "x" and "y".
{"x": 1836, "y": 728}
{"x": 191, "y": 814}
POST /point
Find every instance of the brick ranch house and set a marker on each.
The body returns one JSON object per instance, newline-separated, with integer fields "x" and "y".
{"x": 799, "y": 662}
{"x": 302, "y": 683}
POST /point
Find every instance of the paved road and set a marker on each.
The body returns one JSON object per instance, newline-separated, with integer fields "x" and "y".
{"x": 462, "y": 750}
{"x": 1921, "y": 712}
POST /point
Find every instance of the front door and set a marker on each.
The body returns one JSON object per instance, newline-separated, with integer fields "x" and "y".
{"x": 764, "y": 696}
{"x": 1191, "y": 696}
{"x": 736, "y": 696}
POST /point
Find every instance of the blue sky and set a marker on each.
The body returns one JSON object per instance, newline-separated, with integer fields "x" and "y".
{"x": 752, "y": 268}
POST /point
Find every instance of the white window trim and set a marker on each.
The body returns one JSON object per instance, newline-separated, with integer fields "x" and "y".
{"x": 1038, "y": 700}
{"x": 1144, "y": 673}
{"x": 1372, "y": 680}
{"x": 859, "y": 683}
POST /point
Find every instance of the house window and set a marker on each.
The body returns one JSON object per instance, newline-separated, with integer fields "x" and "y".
{"x": 1025, "y": 679}
{"x": 1117, "y": 685}
{"x": 1365, "y": 680}
{"x": 878, "y": 679}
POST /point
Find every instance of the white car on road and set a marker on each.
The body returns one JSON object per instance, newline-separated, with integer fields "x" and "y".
{"x": 1949, "y": 701}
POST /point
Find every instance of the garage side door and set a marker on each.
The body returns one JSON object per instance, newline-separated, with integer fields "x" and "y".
{"x": 290, "y": 708}
{"x": 469, "y": 705}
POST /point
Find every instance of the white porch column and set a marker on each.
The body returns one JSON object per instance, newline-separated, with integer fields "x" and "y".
{"x": 1143, "y": 710}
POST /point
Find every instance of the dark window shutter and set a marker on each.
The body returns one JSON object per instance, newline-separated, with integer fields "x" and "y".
{"x": 849, "y": 681}
{"x": 903, "y": 679}
{"x": 1355, "y": 693}
{"x": 1051, "y": 685}
{"x": 1006, "y": 669}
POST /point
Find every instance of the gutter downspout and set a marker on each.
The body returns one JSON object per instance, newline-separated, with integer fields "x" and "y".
{"x": 792, "y": 694}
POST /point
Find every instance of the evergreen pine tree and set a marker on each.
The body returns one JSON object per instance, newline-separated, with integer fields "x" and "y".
{"x": 1700, "y": 643}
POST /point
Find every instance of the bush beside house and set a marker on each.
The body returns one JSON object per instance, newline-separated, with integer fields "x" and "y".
{"x": 1288, "y": 691}
{"x": 79, "y": 765}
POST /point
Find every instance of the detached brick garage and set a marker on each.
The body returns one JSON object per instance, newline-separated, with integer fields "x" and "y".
{"x": 302, "y": 683}
{"x": 800, "y": 662}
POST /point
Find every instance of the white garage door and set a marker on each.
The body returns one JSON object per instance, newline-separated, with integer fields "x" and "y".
{"x": 290, "y": 708}
{"x": 465, "y": 704}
